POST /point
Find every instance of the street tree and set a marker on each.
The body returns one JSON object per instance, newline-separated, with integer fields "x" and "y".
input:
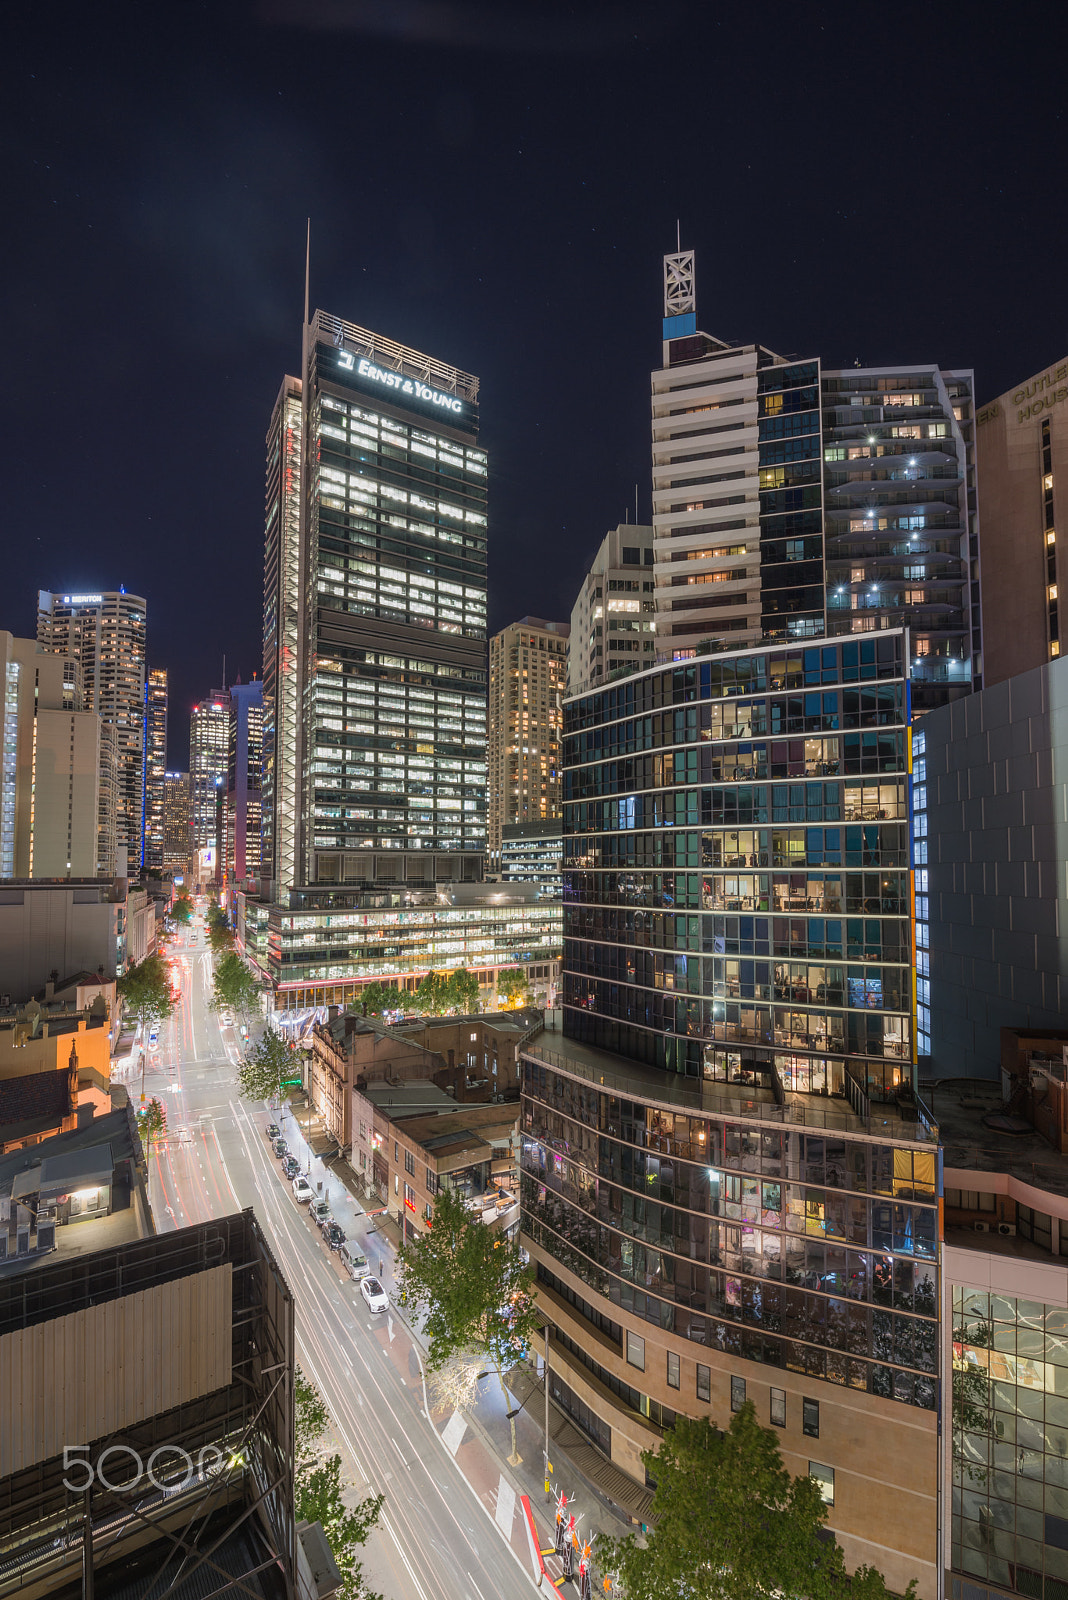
{"x": 319, "y": 1492}
{"x": 219, "y": 935}
{"x": 376, "y": 998}
{"x": 237, "y": 987}
{"x": 182, "y": 910}
{"x": 152, "y": 1122}
{"x": 266, "y": 1065}
{"x": 432, "y": 996}
{"x": 478, "y": 1297}
{"x": 145, "y": 991}
{"x": 513, "y": 987}
{"x": 463, "y": 991}
{"x": 728, "y": 1522}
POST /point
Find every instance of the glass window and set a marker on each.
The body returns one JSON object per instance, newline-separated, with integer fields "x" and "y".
{"x": 737, "y": 1393}
{"x": 810, "y": 1418}
{"x": 704, "y": 1382}
{"x": 824, "y": 1477}
{"x": 636, "y": 1351}
{"x": 778, "y": 1408}
{"x": 672, "y": 1370}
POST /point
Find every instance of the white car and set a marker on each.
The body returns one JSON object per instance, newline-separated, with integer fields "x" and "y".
{"x": 373, "y": 1292}
{"x": 226, "y": 1020}
{"x": 153, "y": 1039}
{"x": 301, "y": 1188}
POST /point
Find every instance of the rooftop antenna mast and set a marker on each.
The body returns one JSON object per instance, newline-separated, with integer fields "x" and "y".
{"x": 307, "y": 276}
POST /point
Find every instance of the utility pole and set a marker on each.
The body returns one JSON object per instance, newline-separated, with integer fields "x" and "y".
{"x": 547, "y": 1463}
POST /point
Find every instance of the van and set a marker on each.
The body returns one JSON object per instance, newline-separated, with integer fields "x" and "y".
{"x": 354, "y": 1259}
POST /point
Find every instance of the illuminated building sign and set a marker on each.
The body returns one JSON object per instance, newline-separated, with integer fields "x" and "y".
{"x": 83, "y": 599}
{"x": 410, "y": 387}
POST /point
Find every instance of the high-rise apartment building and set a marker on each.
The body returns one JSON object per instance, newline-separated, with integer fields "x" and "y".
{"x": 106, "y": 634}
{"x": 52, "y": 822}
{"x": 244, "y": 783}
{"x": 528, "y": 681}
{"x": 613, "y": 620}
{"x": 749, "y": 1205}
{"x": 209, "y": 750}
{"x": 791, "y": 501}
{"x": 155, "y": 766}
{"x": 1022, "y": 456}
{"x": 376, "y": 713}
{"x": 177, "y": 831}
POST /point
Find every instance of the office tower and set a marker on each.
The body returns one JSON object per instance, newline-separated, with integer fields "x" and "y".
{"x": 244, "y": 782}
{"x": 177, "y": 830}
{"x": 748, "y": 1210}
{"x": 155, "y": 766}
{"x": 791, "y": 501}
{"x": 382, "y": 775}
{"x": 281, "y": 627}
{"x": 613, "y": 620}
{"x": 50, "y": 810}
{"x": 106, "y": 634}
{"x": 989, "y": 780}
{"x": 528, "y": 680}
{"x": 1022, "y": 460}
{"x": 532, "y": 852}
{"x": 209, "y": 748}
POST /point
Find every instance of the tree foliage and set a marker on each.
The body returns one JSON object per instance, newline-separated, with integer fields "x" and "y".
{"x": 237, "y": 987}
{"x": 266, "y": 1063}
{"x": 438, "y": 993}
{"x": 182, "y": 910}
{"x": 478, "y": 1297}
{"x": 219, "y": 935}
{"x": 152, "y": 1122}
{"x": 513, "y": 987}
{"x": 318, "y": 1491}
{"x": 729, "y": 1523}
{"x": 145, "y": 990}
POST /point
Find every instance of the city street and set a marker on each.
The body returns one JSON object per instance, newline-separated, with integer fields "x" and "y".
{"x": 433, "y": 1541}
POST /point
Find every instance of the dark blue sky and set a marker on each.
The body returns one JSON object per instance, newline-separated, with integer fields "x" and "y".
{"x": 494, "y": 183}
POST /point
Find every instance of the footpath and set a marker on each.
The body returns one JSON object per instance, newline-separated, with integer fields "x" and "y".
{"x": 606, "y": 1502}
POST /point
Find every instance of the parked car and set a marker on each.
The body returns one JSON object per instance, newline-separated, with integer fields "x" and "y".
{"x": 226, "y": 1019}
{"x": 333, "y": 1235}
{"x": 355, "y": 1260}
{"x": 280, "y": 1148}
{"x": 302, "y": 1189}
{"x": 320, "y": 1211}
{"x": 373, "y": 1292}
{"x": 153, "y": 1039}
{"x": 290, "y": 1166}
{"x": 273, "y": 1131}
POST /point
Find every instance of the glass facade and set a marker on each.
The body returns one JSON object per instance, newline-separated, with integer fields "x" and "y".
{"x": 808, "y": 1249}
{"x": 791, "y": 501}
{"x": 1009, "y": 1446}
{"x": 737, "y": 869}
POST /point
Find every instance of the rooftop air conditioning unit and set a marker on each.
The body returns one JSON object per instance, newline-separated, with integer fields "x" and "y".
{"x": 981, "y": 1227}
{"x": 1007, "y": 1228}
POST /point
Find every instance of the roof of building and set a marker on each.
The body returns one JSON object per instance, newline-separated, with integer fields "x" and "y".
{"x": 414, "y": 1099}
{"x": 117, "y": 1130}
{"x": 978, "y": 1134}
{"x": 36, "y": 1097}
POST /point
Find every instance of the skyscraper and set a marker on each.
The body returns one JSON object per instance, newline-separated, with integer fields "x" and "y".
{"x": 790, "y": 501}
{"x": 375, "y": 616}
{"x": 528, "y": 680}
{"x": 177, "y": 833}
{"x": 244, "y": 782}
{"x": 50, "y": 812}
{"x": 155, "y": 766}
{"x": 209, "y": 745}
{"x": 613, "y": 620}
{"x": 106, "y": 634}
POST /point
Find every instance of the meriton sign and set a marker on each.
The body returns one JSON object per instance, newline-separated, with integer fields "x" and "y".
{"x": 397, "y": 380}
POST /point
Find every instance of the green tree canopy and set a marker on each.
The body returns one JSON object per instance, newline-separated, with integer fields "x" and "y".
{"x": 729, "y": 1523}
{"x": 478, "y": 1297}
{"x": 219, "y": 935}
{"x": 266, "y": 1063}
{"x": 376, "y": 998}
{"x": 145, "y": 990}
{"x": 237, "y": 987}
{"x": 318, "y": 1491}
{"x": 182, "y": 910}
{"x": 513, "y": 986}
{"x": 463, "y": 991}
{"x": 152, "y": 1122}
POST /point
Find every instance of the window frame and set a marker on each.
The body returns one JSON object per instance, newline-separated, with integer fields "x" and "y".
{"x": 706, "y": 1397}
{"x": 778, "y": 1403}
{"x": 634, "y": 1340}
{"x": 737, "y": 1392}
{"x": 675, "y": 1369}
{"x": 810, "y": 1418}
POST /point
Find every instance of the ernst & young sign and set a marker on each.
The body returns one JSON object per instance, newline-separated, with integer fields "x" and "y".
{"x": 404, "y": 387}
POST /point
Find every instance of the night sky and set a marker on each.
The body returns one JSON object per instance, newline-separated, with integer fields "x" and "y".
{"x": 495, "y": 184}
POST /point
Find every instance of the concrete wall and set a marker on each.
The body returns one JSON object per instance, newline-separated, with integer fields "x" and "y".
{"x": 60, "y": 928}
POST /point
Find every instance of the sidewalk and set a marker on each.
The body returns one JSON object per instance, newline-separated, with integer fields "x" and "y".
{"x": 606, "y": 1501}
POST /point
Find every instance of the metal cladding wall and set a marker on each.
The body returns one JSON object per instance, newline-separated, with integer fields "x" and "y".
{"x": 90, "y": 1374}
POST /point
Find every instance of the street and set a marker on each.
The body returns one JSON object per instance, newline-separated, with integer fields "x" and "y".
{"x": 433, "y": 1540}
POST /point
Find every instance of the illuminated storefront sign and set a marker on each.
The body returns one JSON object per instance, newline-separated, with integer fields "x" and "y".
{"x": 397, "y": 380}
{"x": 83, "y": 599}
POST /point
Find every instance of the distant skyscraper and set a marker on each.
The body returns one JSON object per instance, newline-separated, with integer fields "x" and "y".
{"x": 790, "y": 501}
{"x": 244, "y": 782}
{"x": 528, "y": 680}
{"x": 209, "y": 743}
{"x": 177, "y": 833}
{"x": 375, "y": 616}
{"x": 613, "y": 620}
{"x": 1022, "y": 461}
{"x": 106, "y": 634}
{"x": 51, "y": 766}
{"x": 155, "y": 766}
